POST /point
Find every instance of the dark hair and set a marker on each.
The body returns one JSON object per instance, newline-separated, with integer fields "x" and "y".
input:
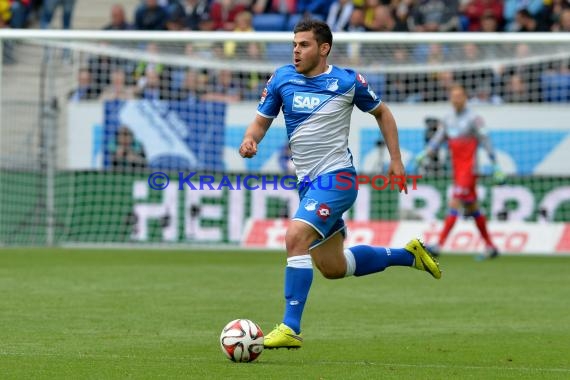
{"x": 321, "y": 30}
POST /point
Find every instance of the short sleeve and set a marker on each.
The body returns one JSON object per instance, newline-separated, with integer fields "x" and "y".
{"x": 270, "y": 101}
{"x": 364, "y": 96}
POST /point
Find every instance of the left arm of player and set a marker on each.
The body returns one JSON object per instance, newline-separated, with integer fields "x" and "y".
{"x": 485, "y": 141}
{"x": 389, "y": 130}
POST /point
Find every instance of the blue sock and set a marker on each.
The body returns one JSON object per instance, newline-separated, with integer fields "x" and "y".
{"x": 368, "y": 260}
{"x": 298, "y": 280}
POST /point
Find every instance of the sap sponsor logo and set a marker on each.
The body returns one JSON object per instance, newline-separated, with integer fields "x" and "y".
{"x": 307, "y": 101}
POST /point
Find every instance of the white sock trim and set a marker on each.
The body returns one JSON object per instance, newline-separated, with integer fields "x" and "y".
{"x": 302, "y": 261}
{"x": 350, "y": 263}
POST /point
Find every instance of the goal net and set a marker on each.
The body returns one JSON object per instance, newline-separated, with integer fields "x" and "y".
{"x": 132, "y": 138}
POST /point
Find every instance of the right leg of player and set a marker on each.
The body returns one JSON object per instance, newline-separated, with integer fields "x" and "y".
{"x": 334, "y": 261}
{"x": 491, "y": 251}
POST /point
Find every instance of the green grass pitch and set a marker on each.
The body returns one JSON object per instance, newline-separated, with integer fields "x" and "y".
{"x": 85, "y": 314}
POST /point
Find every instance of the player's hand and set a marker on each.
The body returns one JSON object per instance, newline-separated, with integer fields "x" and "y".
{"x": 248, "y": 147}
{"x": 420, "y": 157}
{"x": 397, "y": 172}
{"x": 498, "y": 176}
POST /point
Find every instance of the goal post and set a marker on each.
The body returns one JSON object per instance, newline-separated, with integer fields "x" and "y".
{"x": 94, "y": 123}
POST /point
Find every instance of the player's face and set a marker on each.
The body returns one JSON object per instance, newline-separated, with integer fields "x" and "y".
{"x": 458, "y": 98}
{"x": 308, "y": 57}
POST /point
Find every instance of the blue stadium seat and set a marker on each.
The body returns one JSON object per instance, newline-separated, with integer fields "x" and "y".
{"x": 269, "y": 22}
{"x": 555, "y": 87}
{"x": 295, "y": 18}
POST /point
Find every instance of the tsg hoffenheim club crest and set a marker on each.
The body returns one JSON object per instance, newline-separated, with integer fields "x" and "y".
{"x": 332, "y": 84}
{"x": 311, "y": 204}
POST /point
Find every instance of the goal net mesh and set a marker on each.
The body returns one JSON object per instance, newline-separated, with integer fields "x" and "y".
{"x": 87, "y": 123}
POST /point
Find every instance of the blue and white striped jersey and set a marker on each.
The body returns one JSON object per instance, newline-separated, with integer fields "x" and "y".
{"x": 317, "y": 114}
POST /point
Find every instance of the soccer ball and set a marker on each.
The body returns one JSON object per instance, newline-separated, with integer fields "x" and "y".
{"x": 242, "y": 340}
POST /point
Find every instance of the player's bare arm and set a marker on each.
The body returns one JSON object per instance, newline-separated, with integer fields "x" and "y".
{"x": 389, "y": 130}
{"x": 253, "y": 136}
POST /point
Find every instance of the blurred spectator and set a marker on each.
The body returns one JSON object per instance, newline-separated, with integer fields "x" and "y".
{"x": 437, "y": 87}
{"x": 356, "y": 21}
{"x": 474, "y": 10}
{"x": 189, "y": 90}
{"x": 525, "y": 22}
{"x": 517, "y": 91}
{"x": 150, "y": 16}
{"x": 483, "y": 94}
{"x": 436, "y": 54}
{"x": 48, "y": 9}
{"x": 85, "y": 89}
{"x": 101, "y": 66}
{"x": 563, "y": 23}
{"x": 287, "y": 7}
{"x": 176, "y": 19}
{"x": 471, "y": 79}
{"x": 434, "y": 16}
{"x": 356, "y": 24}
{"x": 553, "y": 11}
{"x": 400, "y": 87}
{"x": 150, "y": 87}
{"x": 401, "y": 14}
{"x": 196, "y": 14}
{"x": 242, "y": 24}
{"x": 318, "y": 8}
{"x": 144, "y": 65}
{"x": 225, "y": 88}
{"x": 5, "y": 13}
{"x": 511, "y": 8}
{"x": 489, "y": 23}
{"x": 369, "y": 9}
{"x": 118, "y": 19}
{"x": 117, "y": 90}
{"x": 339, "y": 15}
{"x": 223, "y": 13}
{"x": 382, "y": 21}
{"x": 126, "y": 152}
{"x": 20, "y": 10}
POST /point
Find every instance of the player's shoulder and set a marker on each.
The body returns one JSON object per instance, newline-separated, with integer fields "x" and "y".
{"x": 282, "y": 74}
{"x": 474, "y": 116}
{"x": 348, "y": 74}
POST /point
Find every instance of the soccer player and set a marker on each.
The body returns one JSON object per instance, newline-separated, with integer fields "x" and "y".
{"x": 317, "y": 100}
{"x": 464, "y": 130}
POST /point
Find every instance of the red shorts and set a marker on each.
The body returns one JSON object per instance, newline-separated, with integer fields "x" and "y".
{"x": 464, "y": 189}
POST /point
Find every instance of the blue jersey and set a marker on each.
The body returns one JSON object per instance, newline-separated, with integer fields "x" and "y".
{"x": 317, "y": 113}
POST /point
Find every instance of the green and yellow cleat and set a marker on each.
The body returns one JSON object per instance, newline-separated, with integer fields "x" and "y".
{"x": 282, "y": 336}
{"x": 423, "y": 258}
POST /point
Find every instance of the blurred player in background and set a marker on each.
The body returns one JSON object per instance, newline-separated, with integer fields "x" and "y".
{"x": 464, "y": 131}
{"x": 317, "y": 100}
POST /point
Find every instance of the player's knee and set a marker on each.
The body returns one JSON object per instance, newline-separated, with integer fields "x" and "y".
{"x": 298, "y": 239}
{"x": 330, "y": 271}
